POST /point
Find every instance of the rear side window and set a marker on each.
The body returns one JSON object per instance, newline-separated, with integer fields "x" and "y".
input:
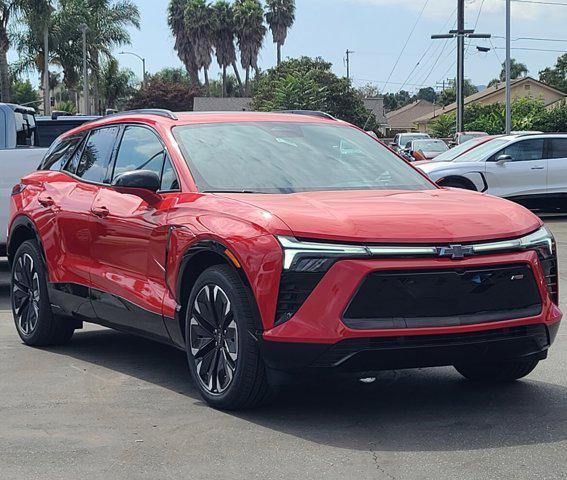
{"x": 93, "y": 165}
{"x": 60, "y": 153}
{"x": 557, "y": 148}
{"x": 525, "y": 150}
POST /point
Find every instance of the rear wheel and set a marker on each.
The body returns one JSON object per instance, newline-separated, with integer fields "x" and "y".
{"x": 35, "y": 322}
{"x": 498, "y": 371}
{"x": 222, "y": 351}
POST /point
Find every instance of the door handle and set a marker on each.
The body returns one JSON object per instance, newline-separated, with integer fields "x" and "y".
{"x": 46, "y": 201}
{"x": 538, "y": 168}
{"x": 100, "y": 212}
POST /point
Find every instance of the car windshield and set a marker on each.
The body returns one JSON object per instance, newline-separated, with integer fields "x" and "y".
{"x": 288, "y": 157}
{"x": 465, "y": 137}
{"x": 478, "y": 153}
{"x": 430, "y": 145}
{"x": 405, "y": 139}
{"x": 457, "y": 151}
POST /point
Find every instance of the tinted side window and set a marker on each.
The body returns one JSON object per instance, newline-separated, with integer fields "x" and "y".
{"x": 140, "y": 149}
{"x": 60, "y": 153}
{"x": 169, "y": 180}
{"x": 557, "y": 148}
{"x": 95, "y": 158}
{"x": 525, "y": 150}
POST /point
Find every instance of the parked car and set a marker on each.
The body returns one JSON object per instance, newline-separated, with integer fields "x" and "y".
{"x": 529, "y": 169}
{"x": 455, "y": 152}
{"x": 462, "y": 137}
{"x": 425, "y": 149}
{"x": 51, "y": 127}
{"x": 265, "y": 243}
{"x": 402, "y": 139}
{"x": 19, "y": 155}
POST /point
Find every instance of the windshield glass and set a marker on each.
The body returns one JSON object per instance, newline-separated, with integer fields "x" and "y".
{"x": 454, "y": 152}
{"x": 469, "y": 136}
{"x": 430, "y": 145}
{"x": 406, "y": 138}
{"x": 287, "y": 157}
{"x": 478, "y": 153}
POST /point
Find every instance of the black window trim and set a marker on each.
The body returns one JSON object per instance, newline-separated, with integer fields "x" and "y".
{"x": 166, "y": 151}
{"x": 56, "y": 144}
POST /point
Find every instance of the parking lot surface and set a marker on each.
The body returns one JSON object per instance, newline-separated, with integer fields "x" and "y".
{"x": 113, "y": 406}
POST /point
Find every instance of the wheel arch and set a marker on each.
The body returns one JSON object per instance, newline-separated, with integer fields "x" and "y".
{"x": 21, "y": 230}
{"x": 460, "y": 179}
{"x": 199, "y": 257}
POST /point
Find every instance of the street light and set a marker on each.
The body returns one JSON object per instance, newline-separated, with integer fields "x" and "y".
{"x": 143, "y": 64}
{"x": 83, "y": 27}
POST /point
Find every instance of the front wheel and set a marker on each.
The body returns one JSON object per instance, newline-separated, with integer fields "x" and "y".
{"x": 35, "y": 322}
{"x": 497, "y": 372}
{"x": 222, "y": 350}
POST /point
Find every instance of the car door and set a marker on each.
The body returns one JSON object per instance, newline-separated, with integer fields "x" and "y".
{"x": 523, "y": 175}
{"x": 557, "y": 166}
{"x": 130, "y": 238}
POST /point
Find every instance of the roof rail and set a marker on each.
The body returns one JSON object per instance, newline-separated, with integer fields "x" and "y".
{"x": 147, "y": 111}
{"x": 311, "y": 113}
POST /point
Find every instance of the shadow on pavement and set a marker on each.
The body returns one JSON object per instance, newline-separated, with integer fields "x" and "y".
{"x": 423, "y": 410}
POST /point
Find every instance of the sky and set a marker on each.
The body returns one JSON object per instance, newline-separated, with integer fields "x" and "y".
{"x": 377, "y": 30}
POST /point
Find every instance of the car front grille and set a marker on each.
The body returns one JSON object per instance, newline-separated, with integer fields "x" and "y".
{"x": 449, "y": 297}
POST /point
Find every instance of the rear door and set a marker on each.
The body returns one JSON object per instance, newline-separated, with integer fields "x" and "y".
{"x": 524, "y": 175}
{"x": 557, "y": 166}
{"x": 130, "y": 238}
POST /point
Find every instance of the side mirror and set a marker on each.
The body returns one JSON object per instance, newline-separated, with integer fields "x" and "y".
{"x": 143, "y": 183}
{"x": 503, "y": 159}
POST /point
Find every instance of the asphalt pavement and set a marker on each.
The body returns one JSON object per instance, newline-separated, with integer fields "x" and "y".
{"x": 112, "y": 406}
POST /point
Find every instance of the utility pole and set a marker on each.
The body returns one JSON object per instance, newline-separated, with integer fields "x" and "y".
{"x": 348, "y": 53}
{"x": 46, "y": 90}
{"x": 508, "y": 61}
{"x": 87, "y": 110}
{"x": 460, "y": 33}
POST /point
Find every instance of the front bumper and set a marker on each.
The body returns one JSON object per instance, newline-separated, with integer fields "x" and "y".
{"x": 317, "y": 337}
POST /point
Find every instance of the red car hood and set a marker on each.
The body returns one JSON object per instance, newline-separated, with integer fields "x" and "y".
{"x": 436, "y": 216}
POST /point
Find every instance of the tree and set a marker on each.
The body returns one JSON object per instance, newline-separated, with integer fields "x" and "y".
{"x": 223, "y": 40}
{"x": 394, "y": 101}
{"x": 369, "y": 91}
{"x": 225, "y": 87}
{"x": 161, "y": 93}
{"x": 280, "y": 15}
{"x": 449, "y": 95}
{"x": 556, "y": 76}
{"x": 309, "y": 83}
{"x": 427, "y": 93}
{"x": 199, "y": 28}
{"x": 7, "y": 9}
{"x": 23, "y": 93}
{"x": 116, "y": 84}
{"x": 517, "y": 70}
{"x": 183, "y": 47}
{"x": 443, "y": 126}
{"x": 250, "y": 32}
{"x": 494, "y": 83}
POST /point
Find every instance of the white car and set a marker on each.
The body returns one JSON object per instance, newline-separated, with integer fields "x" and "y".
{"x": 529, "y": 169}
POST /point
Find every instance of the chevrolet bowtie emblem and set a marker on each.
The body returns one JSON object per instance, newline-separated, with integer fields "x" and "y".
{"x": 456, "y": 252}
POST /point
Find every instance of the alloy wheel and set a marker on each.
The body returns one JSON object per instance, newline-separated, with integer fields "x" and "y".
{"x": 26, "y": 294}
{"x": 213, "y": 337}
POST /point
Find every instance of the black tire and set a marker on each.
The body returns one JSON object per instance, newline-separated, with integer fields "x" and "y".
{"x": 456, "y": 183}
{"x": 498, "y": 372}
{"x": 35, "y": 322}
{"x": 231, "y": 375}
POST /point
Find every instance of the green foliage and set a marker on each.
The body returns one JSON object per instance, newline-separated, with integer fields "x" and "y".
{"x": 280, "y": 15}
{"x": 232, "y": 87}
{"x": 517, "y": 70}
{"x": 394, "y": 101}
{"x": 556, "y": 76}
{"x": 449, "y": 95}
{"x": 116, "y": 85}
{"x": 427, "y": 93}
{"x": 23, "y": 93}
{"x": 67, "y": 106}
{"x": 309, "y": 84}
{"x": 554, "y": 120}
{"x": 443, "y": 126}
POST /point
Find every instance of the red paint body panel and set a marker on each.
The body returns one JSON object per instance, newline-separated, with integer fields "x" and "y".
{"x": 136, "y": 251}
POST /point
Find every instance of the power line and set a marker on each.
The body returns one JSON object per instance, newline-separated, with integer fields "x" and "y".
{"x": 537, "y": 2}
{"x": 532, "y": 49}
{"x": 534, "y": 39}
{"x": 495, "y": 52}
{"x": 406, "y": 43}
{"x": 476, "y": 23}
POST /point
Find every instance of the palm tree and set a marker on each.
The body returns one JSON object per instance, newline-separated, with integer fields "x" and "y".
{"x": 517, "y": 70}
{"x": 280, "y": 15}
{"x": 115, "y": 83}
{"x": 199, "y": 28}
{"x": 250, "y": 32}
{"x": 224, "y": 41}
{"x": 183, "y": 47}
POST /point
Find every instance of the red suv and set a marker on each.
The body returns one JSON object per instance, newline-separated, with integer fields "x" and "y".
{"x": 262, "y": 243}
